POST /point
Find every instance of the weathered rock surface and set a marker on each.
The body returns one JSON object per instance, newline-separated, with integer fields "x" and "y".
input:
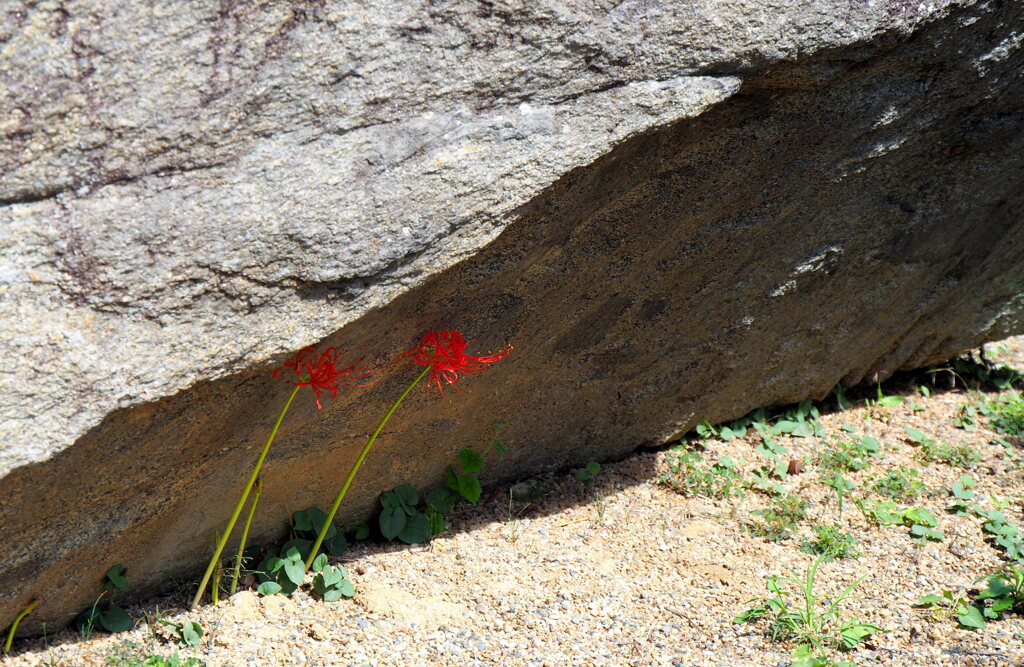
{"x": 674, "y": 213}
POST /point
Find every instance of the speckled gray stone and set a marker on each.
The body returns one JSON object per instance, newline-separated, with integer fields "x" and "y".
{"x": 188, "y": 192}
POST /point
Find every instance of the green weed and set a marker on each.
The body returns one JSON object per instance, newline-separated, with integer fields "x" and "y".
{"x": 800, "y": 421}
{"x": 966, "y": 418}
{"x": 831, "y": 543}
{"x": 130, "y": 654}
{"x": 949, "y": 604}
{"x": 688, "y": 476}
{"x": 186, "y": 633}
{"x": 1005, "y": 413}
{"x": 1004, "y": 534}
{"x": 779, "y": 520}
{"x": 105, "y": 614}
{"x": 931, "y": 451}
{"x": 849, "y": 455}
{"x": 331, "y": 583}
{"x": 585, "y": 475}
{"x": 405, "y": 517}
{"x": 922, "y": 523}
{"x": 283, "y": 573}
{"x": 984, "y": 372}
{"x": 900, "y": 484}
{"x": 958, "y": 456}
{"x": 877, "y": 408}
{"x": 795, "y": 613}
{"x": 1003, "y": 593}
{"x": 842, "y": 486}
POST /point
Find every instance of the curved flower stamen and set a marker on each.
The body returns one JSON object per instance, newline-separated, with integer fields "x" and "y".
{"x": 324, "y": 373}
{"x": 445, "y": 353}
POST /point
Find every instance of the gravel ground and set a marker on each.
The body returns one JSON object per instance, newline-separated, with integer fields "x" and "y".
{"x": 627, "y": 571}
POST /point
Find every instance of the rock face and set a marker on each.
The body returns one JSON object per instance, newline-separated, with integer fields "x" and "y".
{"x": 675, "y": 214}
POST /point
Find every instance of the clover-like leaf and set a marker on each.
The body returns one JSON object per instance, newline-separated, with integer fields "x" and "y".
{"x": 929, "y": 601}
{"x": 853, "y": 633}
{"x": 317, "y": 517}
{"x": 914, "y": 434}
{"x": 331, "y": 595}
{"x": 996, "y": 587}
{"x": 299, "y": 545}
{"x": 582, "y": 475}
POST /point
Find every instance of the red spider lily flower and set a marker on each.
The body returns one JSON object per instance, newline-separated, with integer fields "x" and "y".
{"x": 324, "y": 373}
{"x": 445, "y": 353}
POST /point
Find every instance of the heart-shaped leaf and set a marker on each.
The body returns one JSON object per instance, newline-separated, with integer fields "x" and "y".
{"x": 269, "y": 588}
{"x": 191, "y": 633}
{"x": 970, "y": 617}
{"x": 116, "y": 576}
{"x": 392, "y": 521}
{"x": 416, "y": 530}
{"x": 295, "y": 570}
{"x": 469, "y": 488}
{"x": 442, "y": 500}
{"x": 408, "y": 497}
{"x": 301, "y": 521}
{"x": 115, "y": 620}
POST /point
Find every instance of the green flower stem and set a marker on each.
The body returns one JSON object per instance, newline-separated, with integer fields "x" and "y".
{"x": 245, "y": 535}
{"x": 217, "y": 573}
{"x": 14, "y": 626}
{"x": 355, "y": 467}
{"x": 241, "y": 502}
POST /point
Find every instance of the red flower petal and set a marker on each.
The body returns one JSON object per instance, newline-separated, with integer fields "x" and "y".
{"x": 445, "y": 353}
{"x": 324, "y": 373}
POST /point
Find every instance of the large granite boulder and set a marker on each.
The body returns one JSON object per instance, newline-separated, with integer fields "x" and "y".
{"x": 675, "y": 212}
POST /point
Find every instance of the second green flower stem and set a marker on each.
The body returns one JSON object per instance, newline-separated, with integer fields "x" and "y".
{"x": 14, "y": 626}
{"x": 355, "y": 468}
{"x": 241, "y": 502}
{"x": 245, "y": 535}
